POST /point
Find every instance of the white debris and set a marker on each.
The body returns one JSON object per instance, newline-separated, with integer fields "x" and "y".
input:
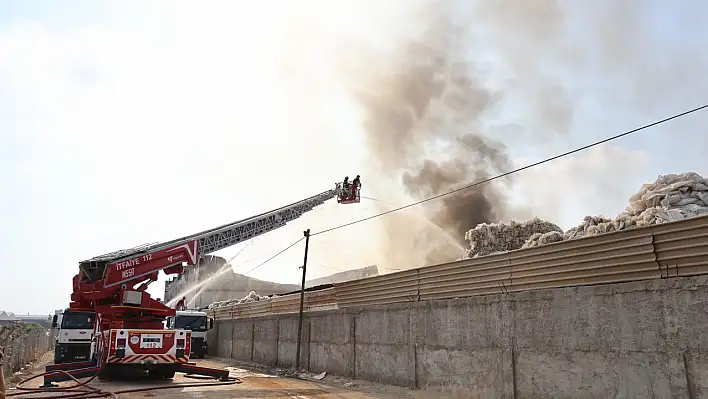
{"x": 251, "y": 297}
{"x": 543, "y": 239}
{"x": 594, "y": 225}
{"x": 671, "y": 197}
{"x": 488, "y": 238}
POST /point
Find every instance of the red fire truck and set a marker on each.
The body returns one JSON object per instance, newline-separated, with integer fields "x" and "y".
{"x": 129, "y": 324}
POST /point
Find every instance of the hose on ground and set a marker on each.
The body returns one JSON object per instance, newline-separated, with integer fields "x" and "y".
{"x": 81, "y": 390}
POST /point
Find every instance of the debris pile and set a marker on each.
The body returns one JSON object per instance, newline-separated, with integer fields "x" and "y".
{"x": 543, "y": 239}
{"x": 489, "y": 238}
{"x": 594, "y": 225}
{"x": 250, "y": 298}
{"x": 671, "y": 197}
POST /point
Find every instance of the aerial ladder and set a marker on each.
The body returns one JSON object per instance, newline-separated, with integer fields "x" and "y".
{"x": 129, "y": 329}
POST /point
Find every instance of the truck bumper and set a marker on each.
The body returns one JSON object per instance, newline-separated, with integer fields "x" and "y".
{"x": 68, "y": 353}
{"x": 198, "y": 348}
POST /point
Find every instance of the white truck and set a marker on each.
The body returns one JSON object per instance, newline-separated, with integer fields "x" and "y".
{"x": 74, "y": 335}
{"x": 198, "y": 323}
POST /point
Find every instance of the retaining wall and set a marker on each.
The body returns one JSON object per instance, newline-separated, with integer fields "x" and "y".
{"x": 23, "y": 344}
{"x": 632, "y": 340}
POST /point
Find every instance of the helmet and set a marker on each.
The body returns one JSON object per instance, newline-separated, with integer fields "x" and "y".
{"x": 346, "y": 177}
{"x": 357, "y": 176}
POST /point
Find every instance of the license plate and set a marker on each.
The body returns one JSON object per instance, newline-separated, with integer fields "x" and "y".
{"x": 151, "y": 341}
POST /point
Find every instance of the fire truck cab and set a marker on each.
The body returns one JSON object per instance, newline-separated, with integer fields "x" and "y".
{"x": 198, "y": 323}
{"x": 74, "y": 335}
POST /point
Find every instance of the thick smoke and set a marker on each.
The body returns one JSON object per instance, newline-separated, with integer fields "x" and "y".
{"x": 424, "y": 121}
{"x": 439, "y": 107}
{"x": 476, "y": 158}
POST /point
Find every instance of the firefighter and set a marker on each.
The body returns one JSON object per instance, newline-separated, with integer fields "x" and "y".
{"x": 345, "y": 187}
{"x": 181, "y": 304}
{"x": 357, "y": 181}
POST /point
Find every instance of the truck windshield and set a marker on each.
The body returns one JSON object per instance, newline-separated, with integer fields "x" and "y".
{"x": 77, "y": 321}
{"x": 193, "y": 323}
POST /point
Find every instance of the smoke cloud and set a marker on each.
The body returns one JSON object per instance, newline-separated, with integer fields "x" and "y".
{"x": 423, "y": 118}
{"x": 440, "y": 108}
{"x": 467, "y": 82}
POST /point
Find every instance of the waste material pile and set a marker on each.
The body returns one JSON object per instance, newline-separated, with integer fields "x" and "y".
{"x": 250, "y": 298}
{"x": 491, "y": 238}
{"x": 671, "y": 197}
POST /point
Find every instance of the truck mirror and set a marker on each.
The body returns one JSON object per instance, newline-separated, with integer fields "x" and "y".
{"x": 210, "y": 323}
{"x": 54, "y": 321}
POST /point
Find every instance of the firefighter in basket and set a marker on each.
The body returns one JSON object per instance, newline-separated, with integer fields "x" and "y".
{"x": 346, "y": 188}
{"x": 349, "y": 189}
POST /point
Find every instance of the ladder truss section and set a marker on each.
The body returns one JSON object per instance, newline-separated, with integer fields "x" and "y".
{"x": 229, "y": 234}
{"x": 257, "y": 225}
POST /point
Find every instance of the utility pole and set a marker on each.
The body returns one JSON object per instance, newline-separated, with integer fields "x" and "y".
{"x": 302, "y": 301}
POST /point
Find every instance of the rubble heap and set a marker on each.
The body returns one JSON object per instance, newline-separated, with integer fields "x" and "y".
{"x": 250, "y": 298}
{"x": 543, "y": 239}
{"x": 489, "y": 238}
{"x": 671, "y": 197}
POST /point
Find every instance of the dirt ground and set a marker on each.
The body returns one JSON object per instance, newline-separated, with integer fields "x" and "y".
{"x": 252, "y": 384}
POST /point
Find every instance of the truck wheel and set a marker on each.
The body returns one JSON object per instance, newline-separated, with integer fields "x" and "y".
{"x": 169, "y": 374}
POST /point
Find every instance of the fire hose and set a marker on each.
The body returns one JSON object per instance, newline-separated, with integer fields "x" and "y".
{"x": 81, "y": 390}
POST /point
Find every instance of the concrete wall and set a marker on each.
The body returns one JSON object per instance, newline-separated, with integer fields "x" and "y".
{"x": 635, "y": 340}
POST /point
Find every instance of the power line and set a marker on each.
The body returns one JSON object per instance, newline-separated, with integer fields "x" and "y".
{"x": 274, "y": 256}
{"x": 565, "y": 154}
{"x": 243, "y": 249}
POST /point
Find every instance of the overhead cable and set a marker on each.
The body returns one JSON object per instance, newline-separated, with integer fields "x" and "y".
{"x": 529, "y": 166}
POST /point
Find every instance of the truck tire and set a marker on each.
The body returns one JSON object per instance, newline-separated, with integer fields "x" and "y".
{"x": 168, "y": 374}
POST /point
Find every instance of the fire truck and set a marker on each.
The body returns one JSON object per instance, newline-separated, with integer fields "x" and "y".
{"x": 129, "y": 326}
{"x": 196, "y": 321}
{"x": 74, "y": 335}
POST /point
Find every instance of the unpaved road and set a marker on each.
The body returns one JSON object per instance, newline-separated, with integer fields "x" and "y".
{"x": 253, "y": 385}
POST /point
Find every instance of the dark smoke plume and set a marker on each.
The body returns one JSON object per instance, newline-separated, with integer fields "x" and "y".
{"x": 429, "y": 102}
{"x": 419, "y": 110}
{"x": 476, "y": 159}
